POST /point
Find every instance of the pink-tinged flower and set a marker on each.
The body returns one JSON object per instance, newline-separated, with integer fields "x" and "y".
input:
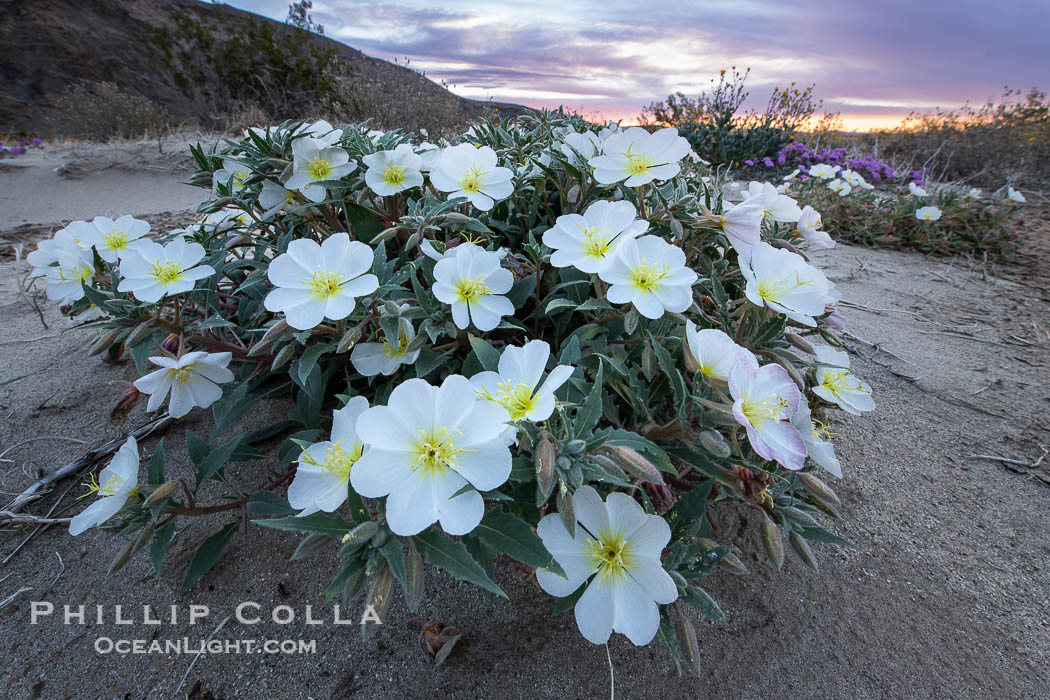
{"x": 817, "y": 438}
{"x": 764, "y": 400}
{"x": 714, "y": 351}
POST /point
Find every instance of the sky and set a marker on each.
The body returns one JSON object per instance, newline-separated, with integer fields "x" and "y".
{"x": 874, "y": 61}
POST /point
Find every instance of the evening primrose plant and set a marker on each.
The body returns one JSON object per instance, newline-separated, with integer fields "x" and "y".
{"x": 547, "y": 342}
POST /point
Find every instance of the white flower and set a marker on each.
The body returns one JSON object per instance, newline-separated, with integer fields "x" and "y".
{"x": 226, "y": 219}
{"x": 714, "y": 351}
{"x": 65, "y": 267}
{"x": 916, "y": 190}
{"x": 152, "y": 271}
{"x": 637, "y": 157}
{"x": 775, "y": 206}
{"x": 819, "y": 449}
{"x": 517, "y": 386}
{"x": 742, "y": 225}
{"x": 428, "y": 154}
{"x": 792, "y": 175}
{"x": 973, "y": 193}
{"x": 390, "y": 172}
{"x": 784, "y": 282}
{"x": 927, "y": 213}
{"x": 836, "y": 385}
{"x": 842, "y": 187}
{"x": 764, "y": 400}
{"x": 809, "y": 228}
{"x": 1014, "y": 195}
{"x": 115, "y": 485}
{"x": 854, "y": 178}
{"x": 823, "y": 171}
{"x": 472, "y": 281}
{"x": 314, "y": 282}
{"x": 324, "y": 132}
{"x": 314, "y": 161}
{"x": 233, "y": 174}
{"x": 72, "y": 236}
{"x": 192, "y": 379}
{"x": 321, "y": 478}
{"x": 617, "y": 546}
{"x": 650, "y": 273}
{"x": 423, "y": 447}
{"x": 114, "y": 239}
{"x": 589, "y": 242}
{"x": 467, "y": 171}
{"x": 386, "y": 356}
{"x": 273, "y": 198}
{"x": 586, "y": 145}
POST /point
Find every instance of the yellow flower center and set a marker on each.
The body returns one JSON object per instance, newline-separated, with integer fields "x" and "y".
{"x": 81, "y": 272}
{"x": 339, "y": 460}
{"x": 435, "y": 450}
{"x": 837, "y": 382}
{"x": 473, "y": 181}
{"x": 394, "y": 175}
{"x": 774, "y": 290}
{"x": 324, "y": 284}
{"x": 821, "y": 431}
{"x": 518, "y": 399}
{"x": 611, "y": 554}
{"x": 112, "y": 486}
{"x": 595, "y": 245}
{"x": 115, "y": 240}
{"x": 470, "y": 291}
{"x": 637, "y": 163}
{"x": 166, "y": 272}
{"x": 763, "y": 411}
{"x": 182, "y": 374}
{"x": 648, "y": 278}
{"x": 319, "y": 168}
{"x": 239, "y": 177}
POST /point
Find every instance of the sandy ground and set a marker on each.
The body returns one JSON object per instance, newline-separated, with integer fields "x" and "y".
{"x": 948, "y": 595}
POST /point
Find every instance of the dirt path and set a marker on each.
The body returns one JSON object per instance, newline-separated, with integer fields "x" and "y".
{"x": 948, "y": 596}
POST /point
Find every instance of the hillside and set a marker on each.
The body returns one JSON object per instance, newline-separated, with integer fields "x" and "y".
{"x": 174, "y": 52}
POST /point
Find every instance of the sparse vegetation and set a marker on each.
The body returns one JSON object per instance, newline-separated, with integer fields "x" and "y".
{"x": 103, "y": 111}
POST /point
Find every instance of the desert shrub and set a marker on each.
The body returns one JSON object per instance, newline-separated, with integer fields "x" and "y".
{"x": 926, "y": 217}
{"x": 719, "y": 134}
{"x": 283, "y": 70}
{"x": 986, "y": 145}
{"x": 485, "y": 349}
{"x": 102, "y": 111}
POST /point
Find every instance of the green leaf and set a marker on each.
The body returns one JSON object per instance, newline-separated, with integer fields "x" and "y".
{"x": 591, "y": 411}
{"x": 364, "y": 223}
{"x": 353, "y": 567}
{"x": 316, "y": 522}
{"x": 487, "y": 355}
{"x": 667, "y": 366}
{"x": 819, "y": 534}
{"x": 689, "y": 508}
{"x": 216, "y": 459}
{"x": 429, "y": 361}
{"x": 699, "y": 599}
{"x": 155, "y": 471}
{"x": 196, "y": 447}
{"x": 454, "y": 558}
{"x": 229, "y": 409}
{"x": 268, "y": 503}
{"x": 394, "y": 554}
{"x": 207, "y": 555}
{"x": 514, "y": 537}
{"x": 308, "y": 361}
{"x": 559, "y": 303}
{"x": 568, "y": 602}
{"x": 159, "y": 546}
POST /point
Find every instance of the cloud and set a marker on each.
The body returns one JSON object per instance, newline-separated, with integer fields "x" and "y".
{"x": 614, "y": 56}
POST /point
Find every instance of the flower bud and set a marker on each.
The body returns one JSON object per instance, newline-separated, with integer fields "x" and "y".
{"x": 139, "y": 334}
{"x": 835, "y": 319}
{"x": 772, "y": 542}
{"x": 608, "y": 465}
{"x": 709, "y": 304}
{"x": 129, "y": 551}
{"x": 362, "y": 533}
{"x": 272, "y": 334}
{"x": 802, "y": 549}
{"x": 713, "y": 442}
{"x": 350, "y": 339}
{"x": 730, "y": 559}
{"x": 566, "y": 511}
{"x": 378, "y": 596}
{"x": 105, "y": 339}
{"x": 662, "y": 497}
{"x": 283, "y": 357}
{"x": 160, "y": 493}
{"x": 799, "y": 342}
{"x": 819, "y": 489}
{"x": 691, "y": 363}
{"x": 415, "y": 580}
{"x": 799, "y": 516}
{"x": 171, "y": 343}
{"x": 688, "y": 644}
{"x": 633, "y": 463}
{"x": 544, "y": 459}
{"x": 119, "y": 413}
